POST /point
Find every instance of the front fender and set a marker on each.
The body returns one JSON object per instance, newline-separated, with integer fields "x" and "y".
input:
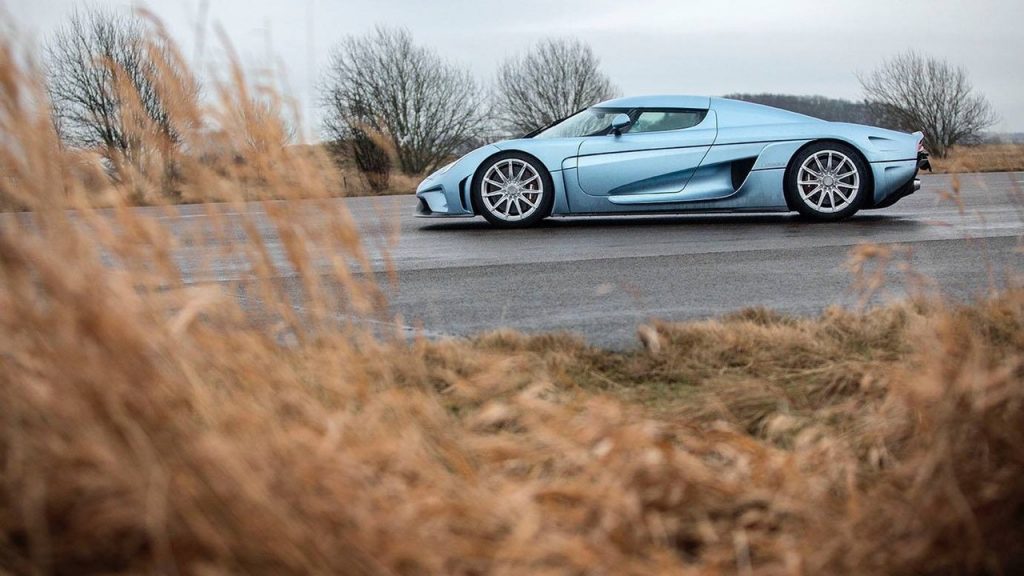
{"x": 447, "y": 193}
{"x": 551, "y": 152}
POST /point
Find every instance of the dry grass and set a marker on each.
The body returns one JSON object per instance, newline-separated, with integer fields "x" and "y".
{"x": 148, "y": 425}
{"x": 98, "y": 189}
{"x": 352, "y": 183}
{"x": 982, "y": 158}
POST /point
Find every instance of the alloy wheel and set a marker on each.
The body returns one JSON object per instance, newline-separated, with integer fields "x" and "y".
{"x": 828, "y": 181}
{"x": 512, "y": 190}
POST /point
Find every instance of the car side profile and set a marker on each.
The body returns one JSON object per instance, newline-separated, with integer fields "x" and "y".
{"x": 675, "y": 154}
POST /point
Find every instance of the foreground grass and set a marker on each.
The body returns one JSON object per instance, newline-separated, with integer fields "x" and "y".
{"x": 851, "y": 443}
{"x": 150, "y": 425}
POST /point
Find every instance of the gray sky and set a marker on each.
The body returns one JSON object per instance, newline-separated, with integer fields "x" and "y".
{"x": 646, "y": 46}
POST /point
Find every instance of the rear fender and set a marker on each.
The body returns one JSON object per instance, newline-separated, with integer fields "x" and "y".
{"x": 778, "y": 154}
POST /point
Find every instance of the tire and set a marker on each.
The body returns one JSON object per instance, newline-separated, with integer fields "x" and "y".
{"x": 513, "y": 190}
{"x": 827, "y": 182}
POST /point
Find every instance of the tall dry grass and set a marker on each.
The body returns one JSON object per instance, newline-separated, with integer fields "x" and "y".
{"x": 982, "y": 158}
{"x": 148, "y": 424}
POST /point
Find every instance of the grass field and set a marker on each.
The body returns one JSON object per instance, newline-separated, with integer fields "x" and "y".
{"x": 982, "y": 158}
{"x": 148, "y": 425}
{"x": 345, "y": 181}
{"x": 342, "y": 179}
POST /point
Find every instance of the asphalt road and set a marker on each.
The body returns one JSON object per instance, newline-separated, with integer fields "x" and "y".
{"x": 601, "y": 277}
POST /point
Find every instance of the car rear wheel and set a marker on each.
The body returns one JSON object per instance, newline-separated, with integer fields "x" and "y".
{"x": 513, "y": 190}
{"x": 827, "y": 182}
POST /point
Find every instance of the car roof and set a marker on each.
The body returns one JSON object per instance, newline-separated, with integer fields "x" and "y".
{"x": 659, "y": 101}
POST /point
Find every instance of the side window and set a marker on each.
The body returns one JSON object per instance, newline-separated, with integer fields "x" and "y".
{"x": 664, "y": 120}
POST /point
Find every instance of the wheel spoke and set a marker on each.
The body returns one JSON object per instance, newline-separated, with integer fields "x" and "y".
{"x": 836, "y": 169}
{"x": 512, "y": 189}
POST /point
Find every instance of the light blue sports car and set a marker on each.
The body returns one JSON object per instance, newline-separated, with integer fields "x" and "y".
{"x": 658, "y": 154}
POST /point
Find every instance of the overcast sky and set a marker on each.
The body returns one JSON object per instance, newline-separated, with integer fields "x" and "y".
{"x": 646, "y": 46}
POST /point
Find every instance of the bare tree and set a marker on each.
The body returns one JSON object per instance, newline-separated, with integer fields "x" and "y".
{"x": 913, "y": 92}
{"x": 106, "y": 74}
{"x": 383, "y": 82}
{"x": 369, "y": 151}
{"x": 556, "y": 78}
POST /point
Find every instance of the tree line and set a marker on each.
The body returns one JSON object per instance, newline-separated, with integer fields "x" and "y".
{"x": 391, "y": 103}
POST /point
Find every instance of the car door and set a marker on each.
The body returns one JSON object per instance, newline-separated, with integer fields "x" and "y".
{"x": 657, "y": 154}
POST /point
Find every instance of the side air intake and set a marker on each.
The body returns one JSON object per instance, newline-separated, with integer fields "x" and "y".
{"x": 740, "y": 170}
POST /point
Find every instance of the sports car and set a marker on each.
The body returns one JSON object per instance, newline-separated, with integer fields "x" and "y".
{"x": 658, "y": 154}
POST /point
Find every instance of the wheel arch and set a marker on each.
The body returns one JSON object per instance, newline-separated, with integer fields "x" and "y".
{"x": 468, "y": 192}
{"x": 869, "y": 192}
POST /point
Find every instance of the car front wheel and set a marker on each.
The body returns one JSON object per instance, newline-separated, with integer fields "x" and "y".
{"x": 827, "y": 182}
{"x": 513, "y": 190}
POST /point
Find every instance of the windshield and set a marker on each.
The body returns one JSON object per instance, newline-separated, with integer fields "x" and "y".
{"x": 590, "y": 122}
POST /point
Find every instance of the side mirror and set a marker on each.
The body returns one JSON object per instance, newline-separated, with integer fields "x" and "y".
{"x": 619, "y": 123}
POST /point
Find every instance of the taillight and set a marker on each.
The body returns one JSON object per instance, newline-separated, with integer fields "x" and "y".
{"x": 922, "y": 156}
